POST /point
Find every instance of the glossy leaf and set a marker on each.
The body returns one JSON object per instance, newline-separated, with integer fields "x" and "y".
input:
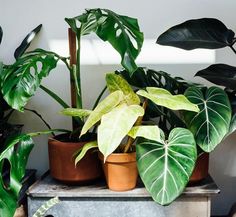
{"x": 17, "y": 156}
{"x": 164, "y": 98}
{"x": 220, "y": 74}
{"x": 26, "y": 42}
{"x": 20, "y": 81}
{"x": 105, "y": 106}
{"x": 211, "y": 124}
{"x": 115, "y": 125}
{"x": 1, "y": 33}
{"x": 147, "y": 132}
{"x": 82, "y": 113}
{"x": 85, "y": 149}
{"x": 207, "y": 33}
{"x": 122, "y": 32}
{"x": 165, "y": 167}
{"x": 116, "y": 82}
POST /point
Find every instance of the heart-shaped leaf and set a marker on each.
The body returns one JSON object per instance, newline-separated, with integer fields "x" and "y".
{"x": 207, "y": 33}
{"x": 122, "y": 32}
{"x": 220, "y": 74}
{"x": 116, "y": 82}
{"x": 26, "y": 42}
{"x": 105, "y": 106}
{"x": 211, "y": 124}
{"x": 115, "y": 125}
{"x": 20, "y": 81}
{"x": 17, "y": 156}
{"x": 165, "y": 167}
{"x": 164, "y": 98}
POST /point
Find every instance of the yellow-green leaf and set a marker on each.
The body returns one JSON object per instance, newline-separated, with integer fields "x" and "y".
{"x": 105, "y": 106}
{"x": 74, "y": 112}
{"x": 147, "y": 132}
{"x": 116, "y": 82}
{"x": 164, "y": 98}
{"x": 115, "y": 125}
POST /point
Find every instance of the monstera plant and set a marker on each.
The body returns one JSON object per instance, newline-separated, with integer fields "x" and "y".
{"x": 164, "y": 163}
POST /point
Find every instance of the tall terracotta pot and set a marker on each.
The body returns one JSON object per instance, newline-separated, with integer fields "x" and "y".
{"x": 62, "y": 166}
{"x": 120, "y": 171}
{"x": 201, "y": 169}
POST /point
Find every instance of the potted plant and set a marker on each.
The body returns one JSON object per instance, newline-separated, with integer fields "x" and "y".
{"x": 120, "y": 114}
{"x": 207, "y": 33}
{"x": 122, "y": 33}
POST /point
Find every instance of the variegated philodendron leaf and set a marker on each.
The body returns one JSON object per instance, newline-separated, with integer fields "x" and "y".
{"x": 74, "y": 112}
{"x": 165, "y": 167}
{"x": 105, "y": 106}
{"x": 116, "y": 82}
{"x": 115, "y": 125}
{"x": 147, "y": 132}
{"x": 211, "y": 124}
{"x": 164, "y": 98}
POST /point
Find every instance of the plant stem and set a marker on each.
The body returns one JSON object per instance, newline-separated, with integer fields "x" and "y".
{"x": 233, "y": 49}
{"x": 137, "y": 123}
{"x": 77, "y": 77}
{"x": 99, "y": 97}
{"x": 41, "y": 118}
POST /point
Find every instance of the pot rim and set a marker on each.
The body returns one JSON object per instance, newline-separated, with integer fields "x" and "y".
{"x": 119, "y": 157}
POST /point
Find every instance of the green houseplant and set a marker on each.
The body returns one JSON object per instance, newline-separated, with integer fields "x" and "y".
{"x": 207, "y": 33}
{"x": 121, "y": 32}
{"x": 116, "y": 122}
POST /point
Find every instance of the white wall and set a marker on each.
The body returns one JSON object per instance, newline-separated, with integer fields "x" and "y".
{"x": 19, "y": 17}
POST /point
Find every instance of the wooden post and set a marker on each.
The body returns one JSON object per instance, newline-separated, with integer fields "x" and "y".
{"x": 72, "y": 50}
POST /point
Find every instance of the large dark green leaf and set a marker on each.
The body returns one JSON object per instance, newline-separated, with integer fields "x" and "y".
{"x": 1, "y": 33}
{"x": 200, "y": 33}
{"x": 20, "y": 80}
{"x": 165, "y": 167}
{"x": 17, "y": 156}
{"x": 220, "y": 74}
{"x": 211, "y": 124}
{"x": 27, "y": 41}
{"x": 121, "y": 32}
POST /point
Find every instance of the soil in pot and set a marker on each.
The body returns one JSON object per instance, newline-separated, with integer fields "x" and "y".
{"x": 120, "y": 170}
{"x": 62, "y": 166}
{"x": 200, "y": 171}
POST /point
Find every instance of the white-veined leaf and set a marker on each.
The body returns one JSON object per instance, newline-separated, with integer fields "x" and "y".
{"x": 165, "y": 167}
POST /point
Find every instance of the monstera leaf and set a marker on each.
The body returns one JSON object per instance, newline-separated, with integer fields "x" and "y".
{"x": 220, "y": 74}
{"x": 165, "y": 167}
{"x": 116, "y": 82}
{"x": 164, "y": 98}
{"x": 121, "y": 32}
{"x": 115, "y": 125}
{"x": 211, "y": 124}
{"x": 200, "y": 33}
{"x": 19, "y": 81}
{"x": 17, "y": 156}
{"x": 105, "y": 106}
{"x": 26, "y": 42}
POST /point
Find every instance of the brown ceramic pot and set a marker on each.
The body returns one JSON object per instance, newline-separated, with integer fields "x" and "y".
{"x": 201, "y": 169}
{"x": 120, "y": 171}
{"x": 62, "y": 166}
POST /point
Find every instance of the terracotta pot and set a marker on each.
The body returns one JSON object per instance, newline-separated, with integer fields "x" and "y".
{"x": 200, "y": 171}
{"x": 62, "y": 166}
{"x": 120, "y": 171}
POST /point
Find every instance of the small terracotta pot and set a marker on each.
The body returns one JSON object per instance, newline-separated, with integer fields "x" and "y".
{"x": 200, "y": 171}
{"x": 62, "y": 164}
{"x": 120, "y": 171}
